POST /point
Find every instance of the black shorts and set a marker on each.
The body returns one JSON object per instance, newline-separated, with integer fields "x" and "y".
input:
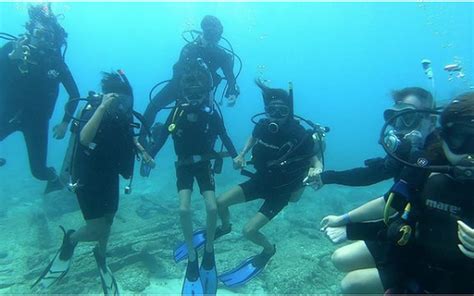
{"x": 275, "y": 198}
{"x": 389, "y": 268}
{"x": 98, "y": 197}
{"x": 203, "y": 173}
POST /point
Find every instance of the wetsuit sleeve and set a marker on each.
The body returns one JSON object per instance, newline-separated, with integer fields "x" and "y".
{"x": 228, "y": 70}
{"x": 161, "y": 140}
{"x": 376, "y": 171}
{"x": 222, "y": 132}
{"x": 71, "y": 88}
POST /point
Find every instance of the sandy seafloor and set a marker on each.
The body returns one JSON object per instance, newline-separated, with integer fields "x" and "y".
{"x": 147, "y": 229}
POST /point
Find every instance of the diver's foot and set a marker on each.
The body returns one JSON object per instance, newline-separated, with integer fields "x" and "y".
{"x": 53, "y": 185}
{"x": 67, "y": 248}
{"x": 192, "y": 270}
{"x": 223, "y": 230}
{"x": 2, "y": 161}
{"x": 262, "y": 259}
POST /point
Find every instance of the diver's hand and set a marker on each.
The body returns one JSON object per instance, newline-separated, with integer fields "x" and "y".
{"x": 337, "y": 234}
{"x": 415, "y": 138}
{"x": 466, "y": 236}
{"x": 59, "y": 131}
{"x": 231, "y": 100}
{"x": 313, "y": 178}
{"x": 239, "y": 162}
{"x": 332, "y": 221}
{"x": 107, "y": 100}
{"x": 148, "y": 159}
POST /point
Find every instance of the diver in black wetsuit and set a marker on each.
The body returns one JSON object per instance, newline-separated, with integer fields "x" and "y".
{"x": 194, "y": 125}
{"x": 104, "y": 149}
{"x": 284, "y": 154}
{"x": 31, "y": 69}
{"x": 206, "y": 48}
{"x": 380, "y": 169}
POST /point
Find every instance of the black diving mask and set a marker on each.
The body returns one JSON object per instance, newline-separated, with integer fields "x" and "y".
{"x": 277, "y": 111}
{"x": 404, "y": 120}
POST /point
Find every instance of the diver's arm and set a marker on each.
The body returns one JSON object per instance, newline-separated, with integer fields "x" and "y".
{"x": 228, "y": 70}
{"x": 71, "y": 87}
{"x": 163, "y": 136}
{"x": 372, "y": 210}
{"x": 364, "y": 176}
{"x": 248, "y": 146}
{"x": 222, "y": 132}
{"x": 90, "y": 129}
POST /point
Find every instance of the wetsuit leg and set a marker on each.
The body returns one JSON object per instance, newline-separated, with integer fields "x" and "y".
{"x": 164, "y": 97}
{"x": 35, "y": 133}
{"x": 6, "y": 129}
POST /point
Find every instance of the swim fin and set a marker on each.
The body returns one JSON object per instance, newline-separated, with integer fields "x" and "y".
{"x": 192, "y": 285}
{"x": 109, "y": 284}
{"x": 199, "y": 239}
{"x": 208, "y": 273}
{"x": 2, "y": 161}
{"x": 247, "y": 270}
{"x": 61, "y": 263}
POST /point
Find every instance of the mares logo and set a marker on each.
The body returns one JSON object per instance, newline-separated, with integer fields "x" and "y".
{"x": 443, "y": 206}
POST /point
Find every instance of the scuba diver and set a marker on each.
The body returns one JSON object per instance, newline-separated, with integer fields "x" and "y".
{"x": 407, "y": 136}
{"x": 206, "y": 47}
{"x": 195, "y": 124}
{"x": 105, "y": 148}
{"x": 414, "y": 129}
{"x": 423, "y": 247}
{"x": 284, "y": 154}
{"x": 31, "y": 68}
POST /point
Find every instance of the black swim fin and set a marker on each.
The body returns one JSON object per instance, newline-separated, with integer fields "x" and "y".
{"x": 208, "y": 273}
{"x": 192, "y": 285}
{"x": 60, "y": 265}
{"x": 247, "y": 270}
{"x": 109, "y": 284}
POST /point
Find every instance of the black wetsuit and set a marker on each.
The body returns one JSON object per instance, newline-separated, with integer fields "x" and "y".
{"x": 27, "y": 102}
{"x": 96, "y": 168}
{"x": 375, "y": 171}
{"x": 433, "y": 261}
{"x": 215, "y": 58}
{"x": 274, "y": 182}
{"x": 195, "y": 140}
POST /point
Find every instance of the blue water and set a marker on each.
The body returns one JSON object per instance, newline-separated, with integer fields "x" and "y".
{"x": 344, "y": 59}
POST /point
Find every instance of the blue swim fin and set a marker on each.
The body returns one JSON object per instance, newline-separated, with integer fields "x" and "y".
{"x": 181, "y": 251}
{"x": 208, "y": 274}
{"x": 247, "y": 270}
{"x": 192, "y": 285}
{"x": 199, "y": 239}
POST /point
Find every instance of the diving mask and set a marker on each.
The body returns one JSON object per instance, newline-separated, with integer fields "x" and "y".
{"x": 277, "y": 111}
